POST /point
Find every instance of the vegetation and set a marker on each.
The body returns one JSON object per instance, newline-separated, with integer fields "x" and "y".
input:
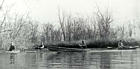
{"x": 96, "y": 29}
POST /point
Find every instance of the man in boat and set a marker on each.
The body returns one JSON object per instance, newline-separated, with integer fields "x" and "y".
{"x": 83, "y": 45}
{"x": 42, "y": 45}
{"x": 120, "y": 44}
{"x": 12, "y": 47}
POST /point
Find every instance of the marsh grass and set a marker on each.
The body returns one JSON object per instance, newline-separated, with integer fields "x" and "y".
{"x": 94, "y": 43}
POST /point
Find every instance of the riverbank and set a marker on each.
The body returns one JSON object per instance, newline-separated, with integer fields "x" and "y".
{"x": 93, "y": 44}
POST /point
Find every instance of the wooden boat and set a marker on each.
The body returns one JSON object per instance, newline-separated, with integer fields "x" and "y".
{"x": 127, "y": 48}
{"x": 14, "y": 51}
{"x": 110, "y": 47}
{"x": 75, "y": 50}
{"x": 64, "y": 49}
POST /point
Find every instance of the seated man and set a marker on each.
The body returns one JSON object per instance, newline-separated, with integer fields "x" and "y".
{"x": 120, "y": 44}
{"x": 83, "y": 45}
{"x": 42, "y": 46}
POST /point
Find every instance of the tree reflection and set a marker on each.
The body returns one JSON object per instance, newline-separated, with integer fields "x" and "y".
{"x": 105, "y": 61}
{"x": 68, "y": 60}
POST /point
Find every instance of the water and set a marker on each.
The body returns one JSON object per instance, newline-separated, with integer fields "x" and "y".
{"x": 93, "y": 59}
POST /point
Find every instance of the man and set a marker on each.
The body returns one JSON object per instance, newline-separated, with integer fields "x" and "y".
{"x": 83, "y": 45}
{"x": 42, "y": 46}
{"x": 120, "y": 44}
{"x": 12, "y": 47}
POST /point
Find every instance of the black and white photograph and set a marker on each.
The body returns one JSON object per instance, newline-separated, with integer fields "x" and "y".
{"x": 69, "y": 34}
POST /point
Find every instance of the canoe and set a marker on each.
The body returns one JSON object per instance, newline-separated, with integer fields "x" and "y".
{"x": 64, "y": 49}
{"x": 53, "y": 48}
{"x": 127, "y": 48}
{"x": 75, "y": 50}
{"x": 14, "y": 51}
{"x": 110, "y": 47}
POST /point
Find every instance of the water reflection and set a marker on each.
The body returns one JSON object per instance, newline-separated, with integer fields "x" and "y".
{"x": 105, "y": 61}
{"x": 71, "y": 60}
{"x": 12, "y": 58}
{"x": 31, "y": 60}
{"x": 112, "y": 60}
{"x": 67, "y": 60}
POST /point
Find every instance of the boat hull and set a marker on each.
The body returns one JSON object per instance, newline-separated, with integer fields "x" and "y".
{"x": 14, "y": 51}
{"x": 63, "y": 49}
{"x": 127, "y": 48}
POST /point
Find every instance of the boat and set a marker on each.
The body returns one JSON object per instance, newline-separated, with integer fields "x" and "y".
{"x": 64, "y": 49}
{"x": 127, "y": 48}
{"x": 110, "y": 47}
{"x": 75, "y": 50}
{"x": 14, "y": 51}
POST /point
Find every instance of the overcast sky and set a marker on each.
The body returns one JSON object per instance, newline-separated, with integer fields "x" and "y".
{"x": 46, "y": 10}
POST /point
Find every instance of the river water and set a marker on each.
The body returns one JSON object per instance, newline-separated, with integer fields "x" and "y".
{"x": 92, "y": 59}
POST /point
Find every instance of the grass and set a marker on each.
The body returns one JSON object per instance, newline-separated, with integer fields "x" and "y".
{"x": 94, "y": 43}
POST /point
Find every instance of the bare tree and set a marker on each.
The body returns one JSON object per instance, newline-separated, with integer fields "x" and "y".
{"x": 62, "y": 18}
{"x": 104, "y": 22}
{"x": 33, "y": 32}
{"x": 1, "y": 5}
{"x": 121, "y": 31}
{"x": 131, "y": 29}
{"x": 48, "y": 31}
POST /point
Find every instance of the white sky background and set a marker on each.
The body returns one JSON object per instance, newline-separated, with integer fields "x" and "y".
{"x": 46, "y": 10}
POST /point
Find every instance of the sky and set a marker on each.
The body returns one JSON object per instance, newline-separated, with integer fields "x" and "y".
{"x": 47, "y": 10}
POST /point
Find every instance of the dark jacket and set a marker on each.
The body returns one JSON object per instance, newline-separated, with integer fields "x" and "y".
{"x": 12, "y": 48}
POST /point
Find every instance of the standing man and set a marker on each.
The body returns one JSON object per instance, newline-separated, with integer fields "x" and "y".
{"x": 12, "y": 47}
